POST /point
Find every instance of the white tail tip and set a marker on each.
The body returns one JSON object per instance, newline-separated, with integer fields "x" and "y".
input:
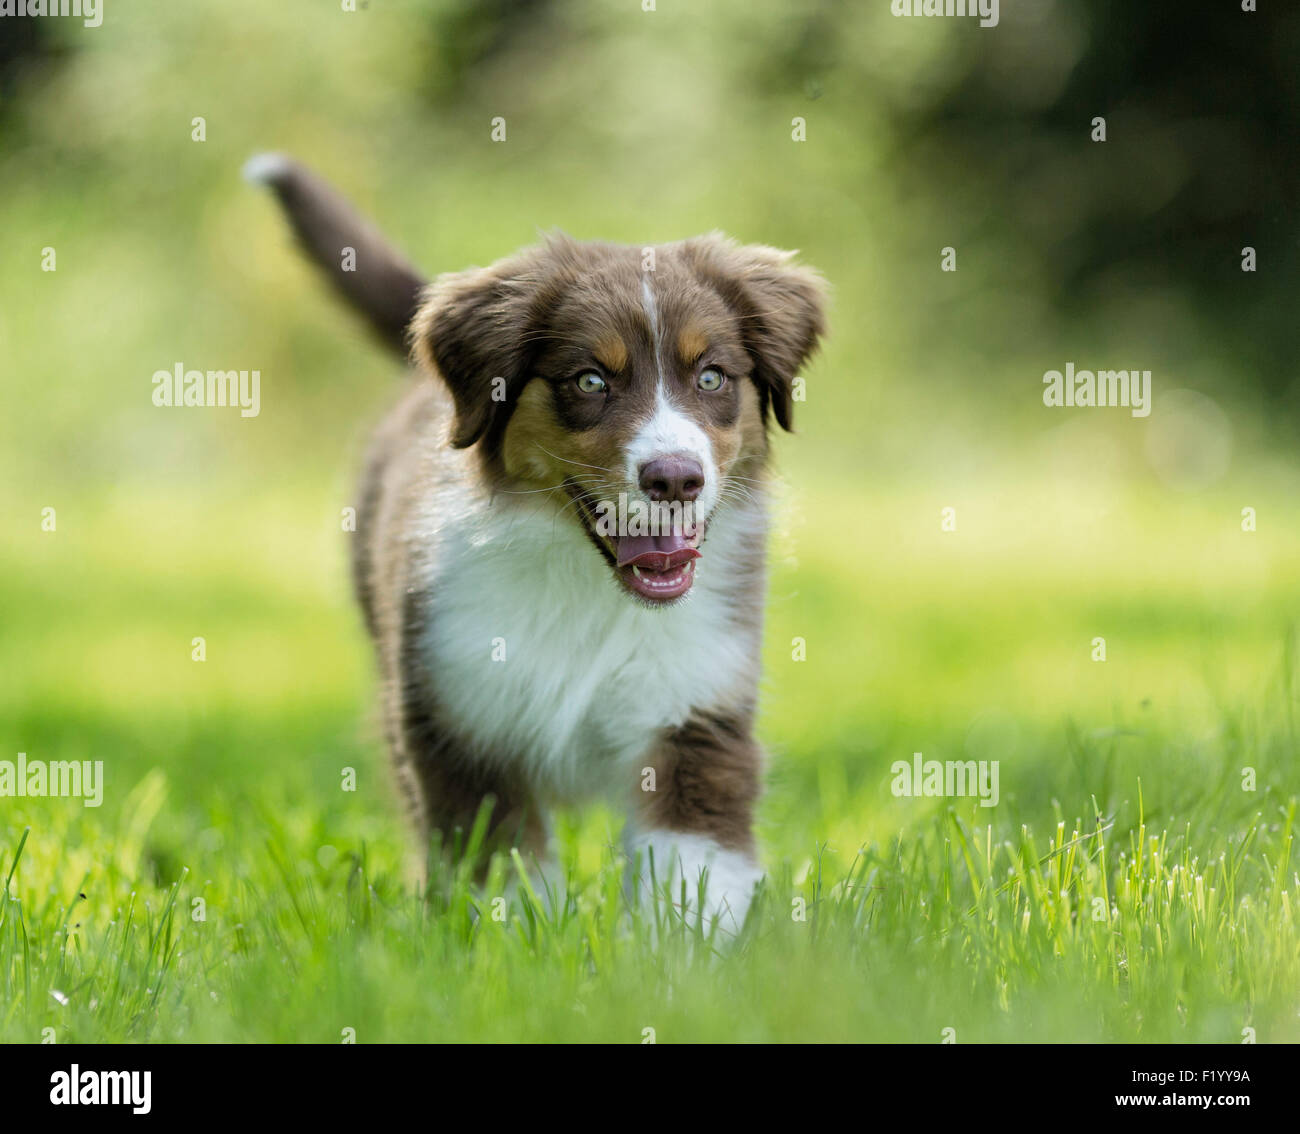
{"x": 266, "y": 169}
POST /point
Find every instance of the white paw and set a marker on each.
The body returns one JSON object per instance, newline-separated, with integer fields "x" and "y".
{"x": 729, "y": 877}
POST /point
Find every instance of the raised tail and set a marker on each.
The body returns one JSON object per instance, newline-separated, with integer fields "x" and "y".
{"x": 382, "y": 286}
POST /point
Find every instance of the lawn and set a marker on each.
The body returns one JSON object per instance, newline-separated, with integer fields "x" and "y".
{"x": 1126, "y": 887}
{"x": 249, "y": 876}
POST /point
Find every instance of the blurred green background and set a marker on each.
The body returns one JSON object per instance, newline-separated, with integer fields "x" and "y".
{"x": 636, "y": 126}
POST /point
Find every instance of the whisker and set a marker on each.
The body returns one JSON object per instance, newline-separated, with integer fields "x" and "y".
{"x": 579, "y": 464}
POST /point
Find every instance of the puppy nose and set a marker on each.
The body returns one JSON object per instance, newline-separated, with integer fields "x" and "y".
{"x": 676, "y": 477}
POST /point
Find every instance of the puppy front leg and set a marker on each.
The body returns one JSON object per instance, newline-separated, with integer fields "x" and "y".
{"x": 447, "y": 784}
{"x": 693, "y": 819}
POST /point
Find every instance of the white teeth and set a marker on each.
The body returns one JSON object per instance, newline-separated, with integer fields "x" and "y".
{"x": 636, "y": 570}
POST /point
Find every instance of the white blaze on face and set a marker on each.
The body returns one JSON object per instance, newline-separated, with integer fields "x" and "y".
{"x": 669, "y": 430}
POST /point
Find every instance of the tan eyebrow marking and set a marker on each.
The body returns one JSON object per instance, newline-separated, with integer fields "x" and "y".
{"x": 692, "y": 343}
{"x": 611, "y": 353}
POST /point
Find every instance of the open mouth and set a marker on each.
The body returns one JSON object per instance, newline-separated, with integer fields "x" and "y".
{"x": 658, "y": 567}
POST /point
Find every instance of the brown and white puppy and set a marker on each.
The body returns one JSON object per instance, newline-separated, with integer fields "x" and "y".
{"x": 530, "y": 650}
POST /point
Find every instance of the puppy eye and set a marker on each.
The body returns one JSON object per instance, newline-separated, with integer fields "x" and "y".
{"x": 589, "y": 382}
{"x": 711, "y": 379}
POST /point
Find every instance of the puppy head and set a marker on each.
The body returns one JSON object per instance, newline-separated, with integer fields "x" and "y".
{"x": 638, "y": 385}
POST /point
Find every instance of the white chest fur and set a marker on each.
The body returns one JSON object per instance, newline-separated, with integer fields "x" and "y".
{"x": 537, "y": 653}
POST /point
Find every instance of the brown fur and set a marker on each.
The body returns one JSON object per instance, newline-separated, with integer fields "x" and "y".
{"x": 692, "y": 343}
{"x": 501, "y": 412}
{"x": 545, "y": 314}
{"x": 707, "y": 780}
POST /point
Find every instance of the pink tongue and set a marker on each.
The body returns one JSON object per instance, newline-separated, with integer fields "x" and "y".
{"x": 657, "y": 553}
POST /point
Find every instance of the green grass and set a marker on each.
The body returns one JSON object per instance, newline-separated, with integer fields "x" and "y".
{"x": 1126, "y": 887}
{"x": 1078, "y": 933}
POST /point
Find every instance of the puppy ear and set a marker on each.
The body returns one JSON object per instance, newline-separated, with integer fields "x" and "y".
{"x": 476, "y": 330}
{"x": 781, "y": 307}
